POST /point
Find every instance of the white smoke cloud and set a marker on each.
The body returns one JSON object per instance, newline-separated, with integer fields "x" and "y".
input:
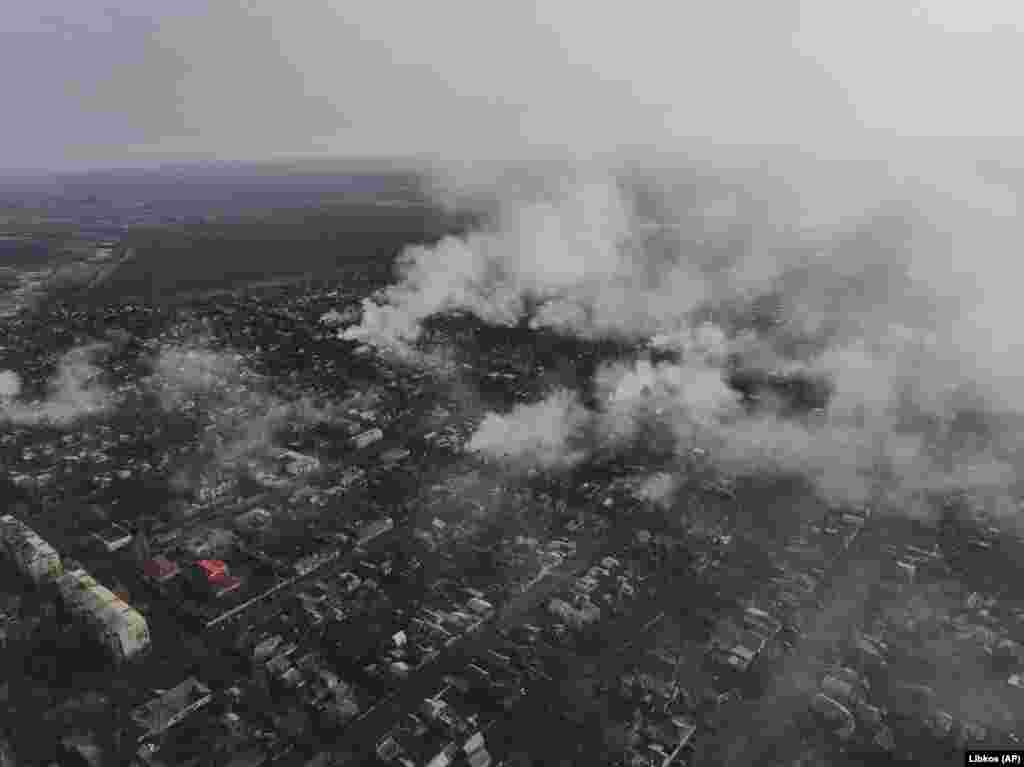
{"x": 573, "y": 253}
{"x": 901, "y": 305}
{"x": 76, "y": 391}
{"x": 889, "y": 430}
{"x": 537, "y": 435}
{"x": 888, "y": 427}
{"x": 565, "y": 251}
{"x": 10, "y": 384}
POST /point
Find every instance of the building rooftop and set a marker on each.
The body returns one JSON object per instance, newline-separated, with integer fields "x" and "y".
{"x": 172, "y": 707}
{"x": 160, "y": 569}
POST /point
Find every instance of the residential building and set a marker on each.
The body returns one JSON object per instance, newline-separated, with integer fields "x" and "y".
{"x": 367, "y": 438}
{"x": 172, "y": 707}
{"x": 121, "y": 629}
{"x": 33, "y": 556}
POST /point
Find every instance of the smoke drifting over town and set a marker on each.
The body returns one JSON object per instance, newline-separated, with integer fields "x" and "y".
{"x": 244, "y": 417}
{"x": 75, "y": 391}
{"x": 871, "y": 303}
{"x": 785, "y": 234}
{"x": 539, "y": 435}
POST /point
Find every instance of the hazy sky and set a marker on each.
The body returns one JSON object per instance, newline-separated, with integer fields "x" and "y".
{"x": 129, "y": 82}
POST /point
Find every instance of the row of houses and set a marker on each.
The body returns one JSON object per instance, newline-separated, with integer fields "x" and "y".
{"x": 437, "y": 735}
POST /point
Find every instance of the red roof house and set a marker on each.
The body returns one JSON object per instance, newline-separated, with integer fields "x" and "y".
{"x": 212, "y": 567}
{"x": 160, "y": 569}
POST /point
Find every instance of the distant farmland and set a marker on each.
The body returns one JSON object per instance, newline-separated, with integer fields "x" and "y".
{"x": 323, "y": 242}
{"x": 195, "y": 229}
{"x": 23, "y": 251}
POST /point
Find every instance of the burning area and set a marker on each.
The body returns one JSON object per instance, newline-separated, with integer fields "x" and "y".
{"x": 841, "y": 351}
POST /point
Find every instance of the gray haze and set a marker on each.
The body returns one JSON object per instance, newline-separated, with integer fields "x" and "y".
{"x": 885, "y": 217}
{"x": 242, "y": 414}
{"x": 894, "y": 288}
{"x": 75, "y": 391}
{"x": 893, "y": 105}
{"x": 128, "y": 83}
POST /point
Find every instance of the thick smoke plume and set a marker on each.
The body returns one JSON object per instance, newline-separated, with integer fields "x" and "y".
{"x": 76, "y": 391}
{"x": 570, "y": 258}
{"x": 892, "y": 307}
{"x": 537, "y": 436}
